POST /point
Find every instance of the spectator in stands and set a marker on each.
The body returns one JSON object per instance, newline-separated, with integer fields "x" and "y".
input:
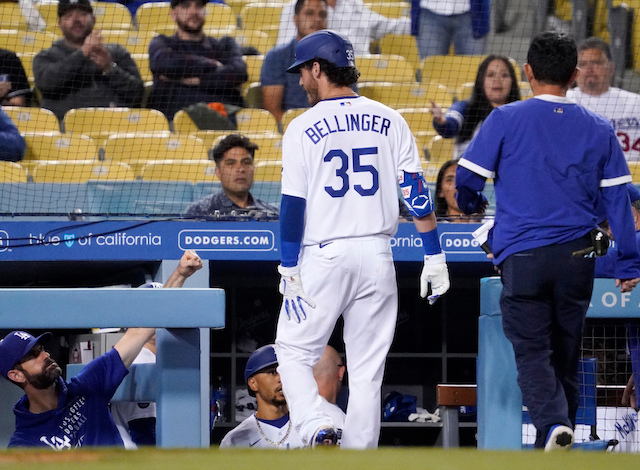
{"x": 12, "y": 144}
{"x": 438, "y": 24}
{"x": 234, "y": 167}
{"x": 446, "y": 205}
{"x": 67, "y": 414}
{"x": 328, "y": 373}
{"x": 281, "y": 90}
{"x": 14, "y": 86}
{"x": 190, "y": 67}
{"x": 595, "y": 93}
{"x": 351, "y": 18}
{"x": 80, "y": 71}
{"x": 496, "y": 84}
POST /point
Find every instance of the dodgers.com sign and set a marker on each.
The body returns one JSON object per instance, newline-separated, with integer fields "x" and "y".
{"x": 226, "y": 240}
{"x": 459, "y": 242}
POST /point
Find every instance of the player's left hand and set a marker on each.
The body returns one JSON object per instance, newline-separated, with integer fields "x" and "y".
{"x": 294, "y": 295}
{"x": 436, "y": 273}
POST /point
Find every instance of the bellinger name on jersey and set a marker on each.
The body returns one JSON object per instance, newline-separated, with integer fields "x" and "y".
{"x": 348, "y": 123}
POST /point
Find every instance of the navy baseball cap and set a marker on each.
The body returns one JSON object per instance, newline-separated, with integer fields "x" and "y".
{"x": 324, "y": 44}
{"x": 15, "y": 346}
{"x": 260, "y": 359}
{"x": 65, "y": 6}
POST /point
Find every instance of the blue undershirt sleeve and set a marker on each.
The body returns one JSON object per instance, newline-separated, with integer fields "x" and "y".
{"x": 469, "y": 185}
{"x": 291, "y": 228}
{"x": 623, "y": 228}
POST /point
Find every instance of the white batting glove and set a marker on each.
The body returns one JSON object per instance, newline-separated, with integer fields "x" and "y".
{"x": 436, "y": 273}
{"x": 291, "y": 290}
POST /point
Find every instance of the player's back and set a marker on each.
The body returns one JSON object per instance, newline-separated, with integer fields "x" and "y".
{"x": 343, "y": 156}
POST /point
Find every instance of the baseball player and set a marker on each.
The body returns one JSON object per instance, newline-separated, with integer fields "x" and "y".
{"x": 342, "y": 161}
{"x": 595, "y": 93}
{"x": 269, "y": 427}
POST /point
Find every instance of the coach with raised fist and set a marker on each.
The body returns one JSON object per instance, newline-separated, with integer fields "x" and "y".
{"x": 552, "y": 161}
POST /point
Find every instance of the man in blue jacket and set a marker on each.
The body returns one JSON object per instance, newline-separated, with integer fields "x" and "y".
{"x": 12, "y": 144}
{"x": 551, "y": 161}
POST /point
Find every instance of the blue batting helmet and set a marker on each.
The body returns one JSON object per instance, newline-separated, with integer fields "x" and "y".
{"x": 260, "y": 359}
{"x": 324, "y": 44}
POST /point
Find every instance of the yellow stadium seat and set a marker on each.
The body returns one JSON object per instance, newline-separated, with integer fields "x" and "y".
{"x": 138, "y": 149}
{"x": 261, "y": 16}
{"x": 209, "y": 137}
{"x": 27, "y": 62}
{"x": 154, "y": 16}
{"x": 57, "y": 146}
{"x": 99, "y": 123}
{"x": 254, "y": 66}
{"x": 450, "y": 70}
{"x": 268, "y": 171}
{"x": 220, "y": 17}
{"x": 464, "y": 91}
{"x": 404, "y": 45}
{"x": 269, "y": 145}
{"x": 289, "y": 115}
{"x": 252, "y": 95}
{"x": 33, "y": 119}
{"x": 237, "y": 5}
{"x": 384, "y": 68}
{"x": 25, "y": 42}
{"x": 420, "y": 121}
{"x": 11, "y": 172}
{"x": 255, "y": 121}
{"x": 255, "y": 38}
{"x": 142, "y": 62}
{"x": 634, "y": 169}
{"x": 135, "y": 42}
{"x": 112, "y": 16}
{"x": 440, "y": 150}
{"x": 390, "y": 9}
{"x": 407, "y": 95}
{"x": 195, "y": 171}
{"x": 80, "y": 171}
{"x": 183, "y": 124}
{"x": 430, "y": 171}
{"x": 11, "y": 17}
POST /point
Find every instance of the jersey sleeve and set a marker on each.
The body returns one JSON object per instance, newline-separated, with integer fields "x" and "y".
{"x": 294, "y": 178}
{"x": 101, "y": 377}
{"x": 408, "y": 154}
{"x": 481, "y": 157}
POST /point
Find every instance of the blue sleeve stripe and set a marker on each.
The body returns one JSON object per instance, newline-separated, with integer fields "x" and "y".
{"x": 607, "y": 183}
{"x": 291, "y": 228}
{"x": 453, "y": 114}
{"x": 463, "y": 162}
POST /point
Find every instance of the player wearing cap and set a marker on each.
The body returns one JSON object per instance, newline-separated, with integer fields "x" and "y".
{"x": 269, "y": 427}
{"x": 63, "y": 414}
{"x": 342, "y": 161}
{"x": 551, "y": 161}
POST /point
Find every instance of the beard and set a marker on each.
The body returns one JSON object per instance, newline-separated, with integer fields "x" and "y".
{"x": 46, "y": 378}
{"x": 312, "y": 92}
{"x": 77, "y": 37}
{"x": 184, "y": 26}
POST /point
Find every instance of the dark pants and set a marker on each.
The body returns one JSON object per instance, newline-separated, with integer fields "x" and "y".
{"x": 545, "y": 296}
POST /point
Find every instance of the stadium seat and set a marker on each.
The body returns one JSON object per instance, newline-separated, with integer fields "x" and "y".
{"x": 11, "y": 172}
{"x": 11, "y": 16}
{"x": 269, "y": 146}
{"x": 289, "y": 115}
{"x": 255, "y": 121}
{"x": 440, "y": 150}
{"x": 142, "y": 62}
{"x": 385, "y": 68}
{"x": 401, "y": 44}
{"x": 450, "y": 70}
{"x": 252, "y": 95}
{"x": 108, "y": 16}
{"x": 407, "y": 95}
{"x": 237, "y": 5}
{"x": 390, "y": 9}
{"x": 154, "y": 16}
{"x": 33, "y": 119}
{"x": 420, "y": 121}
{"x": 135, "y": 42}
{"x": 254, "y": 38}
{"x": 57, "y": 146}
{"x": 99, "y": 123}
{"x": 254, "y": 66}
{"x": 183, "y": 124}
{"x": 221, "y": 18}
{"x": 25, "y": 42}
{"x": 138, "y": 149}
{"x": 262, "y": 17}
{"x": 80, "y": 171}
{"x": 430, "y": 171}
{"x": 195, "y": 171}
{"x": 27, "y": 63}
{"x": 209, "y": 137}
{"x": 268, "y": 171}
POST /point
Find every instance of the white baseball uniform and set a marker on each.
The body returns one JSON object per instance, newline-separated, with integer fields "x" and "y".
{"x": 337, "y": 416}
{"x": 262, "y": 434}
{"x": 344, "y": 157}
{"x": 620, "y": 107}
